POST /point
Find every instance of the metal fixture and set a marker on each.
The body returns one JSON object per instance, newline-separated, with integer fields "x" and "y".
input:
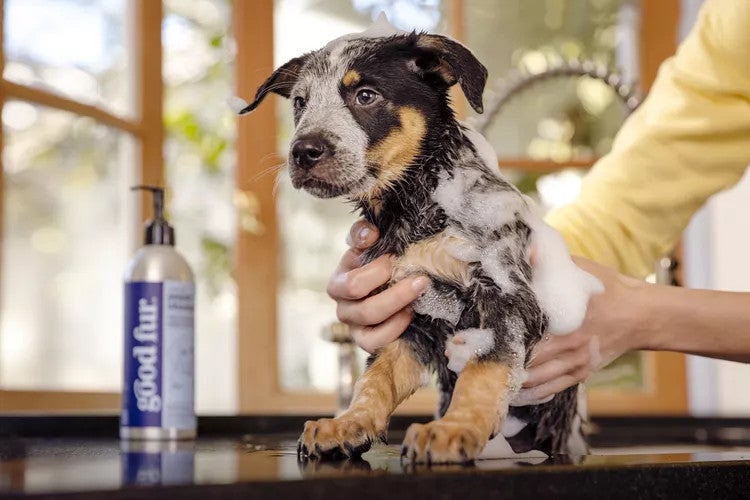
{"x": 517, "y": 81}
{"x": 338, "y": 333}
{"x": 665, "y": 271}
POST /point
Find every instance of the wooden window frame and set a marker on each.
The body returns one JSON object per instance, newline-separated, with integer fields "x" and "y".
{"x": 146, "y": 128}
{"x": 666, "y": 372}
{"x": 259, "y": 385}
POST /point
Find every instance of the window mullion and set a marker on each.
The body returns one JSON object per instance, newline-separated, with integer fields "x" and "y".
{"x": 147, "y": 17}
{"x": 13, "y": 90}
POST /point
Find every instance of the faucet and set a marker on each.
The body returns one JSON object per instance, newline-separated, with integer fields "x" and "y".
{"x": 348, "y": 368}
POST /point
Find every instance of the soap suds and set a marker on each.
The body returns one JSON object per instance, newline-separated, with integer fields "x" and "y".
{"x": 515, "y": 331}
{"x": 483, "y": 147}
{"x": 450, "y": 192}
{"x": 439, "y": 304}
{"x": 237, "y": 104}
{"x": 493, "y": 209}
{"x": 380, "y": 28}
{"x": 498, "y": 447}
{"x": 466, "y": 345}
{"x": 562, "y": 288}
{"x": 512, "y": 426}
{"x": 460, "y": 247}
{"x": 463, "y": 200}
{"x": 492, "y": 260}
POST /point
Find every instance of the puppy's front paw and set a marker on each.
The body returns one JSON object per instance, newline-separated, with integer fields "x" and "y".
{"x": 337, "y": 438}
{"x": 442, "y": 442}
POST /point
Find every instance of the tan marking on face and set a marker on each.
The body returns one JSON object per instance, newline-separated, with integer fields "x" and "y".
{"x": 351, "y": 78}
{"x": 399, "y": 149}
{"x": 432, "y": 256}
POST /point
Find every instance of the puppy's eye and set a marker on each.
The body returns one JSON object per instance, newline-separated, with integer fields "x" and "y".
{"x": 366, "y": 97}
{"x": 299, "y": 103}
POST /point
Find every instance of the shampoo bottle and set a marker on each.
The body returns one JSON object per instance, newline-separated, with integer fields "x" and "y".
{"x": 158, "y": 387}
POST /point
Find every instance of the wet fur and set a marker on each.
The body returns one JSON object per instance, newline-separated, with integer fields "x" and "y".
{"x": 408, "y": 215}
{"x": 403, "y": 207}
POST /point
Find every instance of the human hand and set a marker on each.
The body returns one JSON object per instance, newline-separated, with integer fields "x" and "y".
{"x": 612, "y": 327}
{"x": 376, "y": 320}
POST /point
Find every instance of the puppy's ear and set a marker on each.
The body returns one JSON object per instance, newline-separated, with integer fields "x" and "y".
{"x": 280, "y": 82}
{"x": 452, "y": 63}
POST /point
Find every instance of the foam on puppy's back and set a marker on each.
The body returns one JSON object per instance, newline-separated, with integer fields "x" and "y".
{"x": 482, "y": 146}
{"x": 562, "y": 288}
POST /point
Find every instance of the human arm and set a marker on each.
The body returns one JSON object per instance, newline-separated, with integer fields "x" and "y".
{"x": 634, "y": 315}
{"x": 689, "y": 140}
{"x": 703, "y": 322}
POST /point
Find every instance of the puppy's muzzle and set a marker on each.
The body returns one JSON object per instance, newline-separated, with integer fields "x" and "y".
{"x": 310, "y": 151}
{"x": 315, "y": 166}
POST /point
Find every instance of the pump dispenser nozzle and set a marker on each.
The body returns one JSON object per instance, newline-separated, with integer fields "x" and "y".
{"x": 158, "y": 231}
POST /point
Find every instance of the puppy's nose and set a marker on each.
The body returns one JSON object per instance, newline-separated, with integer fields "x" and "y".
{"x": 308, "y": 151}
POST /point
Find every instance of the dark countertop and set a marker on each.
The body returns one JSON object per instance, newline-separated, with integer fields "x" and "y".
{"x": 255, "y": 457}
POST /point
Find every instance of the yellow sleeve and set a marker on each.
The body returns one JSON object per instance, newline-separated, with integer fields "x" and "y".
{"x": 688, "y": 140}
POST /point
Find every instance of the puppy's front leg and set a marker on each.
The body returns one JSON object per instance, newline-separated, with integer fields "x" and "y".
{"x": 394, "y": 375}
{"x": 475, "y": 413}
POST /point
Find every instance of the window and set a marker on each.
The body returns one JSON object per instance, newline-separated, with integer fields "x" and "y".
{"x": 74, "y": 135}
{"x": 559, "y": 127}
{"x": 82, "y": 115}
{"x": 99, "y": 94}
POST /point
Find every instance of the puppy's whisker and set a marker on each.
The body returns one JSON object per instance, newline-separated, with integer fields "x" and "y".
{"x": 272, "y": 169}
{"x": 275, "y": 86}
{"x": 267, "y": 156}
{"x": 276, "y": 184}
{"x": 287, "y": 72}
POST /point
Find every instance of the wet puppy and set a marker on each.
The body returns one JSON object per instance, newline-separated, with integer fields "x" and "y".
{"x": 374, "y": 125}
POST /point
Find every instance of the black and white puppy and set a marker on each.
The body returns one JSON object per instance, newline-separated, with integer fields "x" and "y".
{"x": 374, "y": 125}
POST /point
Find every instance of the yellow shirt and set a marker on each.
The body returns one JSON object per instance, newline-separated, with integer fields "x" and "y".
{"x": 688, "y": 140}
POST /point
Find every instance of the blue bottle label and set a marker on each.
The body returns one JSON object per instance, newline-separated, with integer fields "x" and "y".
{"x": 158, "y": 367}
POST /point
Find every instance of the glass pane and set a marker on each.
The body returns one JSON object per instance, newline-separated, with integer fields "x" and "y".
{"x": 559, "y": 118}
{"x": 77, "y": 48}
{"x": 66, "y": 225}
{"x": 198, "y": 69}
